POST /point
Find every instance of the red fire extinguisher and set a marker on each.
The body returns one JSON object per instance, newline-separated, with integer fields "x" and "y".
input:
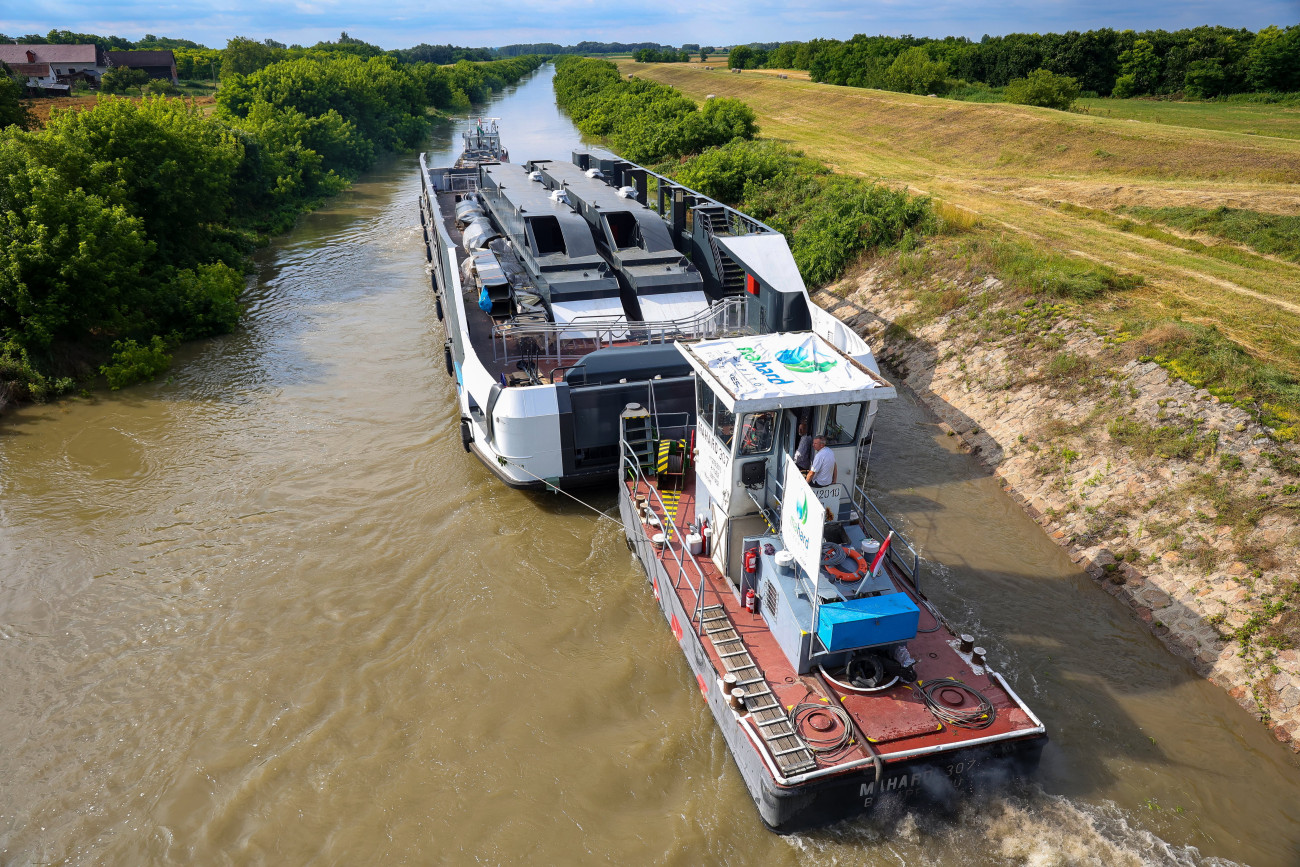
{"x": 751, "y": 601}
{"x": 751, "y": 561}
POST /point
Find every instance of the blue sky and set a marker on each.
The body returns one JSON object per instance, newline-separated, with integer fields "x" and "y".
{"x": 402, "y": 23}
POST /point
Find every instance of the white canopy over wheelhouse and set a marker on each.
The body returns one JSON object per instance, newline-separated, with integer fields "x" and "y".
{"x": 787, "y": 370}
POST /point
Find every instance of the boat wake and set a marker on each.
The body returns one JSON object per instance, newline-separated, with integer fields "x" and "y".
{"x": 1026, "y": 827}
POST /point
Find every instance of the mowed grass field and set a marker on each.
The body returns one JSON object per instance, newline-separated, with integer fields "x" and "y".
{"x": 1249, "y": 118}
{"x": 1019, "y": 170}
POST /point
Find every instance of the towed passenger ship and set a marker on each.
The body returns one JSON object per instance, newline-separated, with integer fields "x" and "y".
{"x": 563, "y": 285}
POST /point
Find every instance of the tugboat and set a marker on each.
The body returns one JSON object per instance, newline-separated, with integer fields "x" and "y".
{"x": 563, "y": 285}
{"x": 836, "y": 683}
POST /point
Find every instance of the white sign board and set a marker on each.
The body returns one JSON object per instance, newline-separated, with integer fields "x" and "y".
{"x": 713, "y": 467}
{"x": 785, "y": 365}
{"x": 803, "y": 519}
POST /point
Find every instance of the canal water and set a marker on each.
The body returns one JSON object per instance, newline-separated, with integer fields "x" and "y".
{"x": 267, "y": 611}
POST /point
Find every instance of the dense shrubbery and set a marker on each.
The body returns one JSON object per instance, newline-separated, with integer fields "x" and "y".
{"x": 12, "y": 109}
{"x": 667, "y": 55}
{"x": 134, "y": 219}
{"x": 1044, "y": 89}
{"x": 642, "y": 120}
{"x": 1202, "y": 62}
{"x": 828, "y": 219}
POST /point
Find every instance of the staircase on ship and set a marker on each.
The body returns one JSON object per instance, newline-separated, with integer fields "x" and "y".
{"x": 787, "y": 748}
{"x": 731, "y": 275}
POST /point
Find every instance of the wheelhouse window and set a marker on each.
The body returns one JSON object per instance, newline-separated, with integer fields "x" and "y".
{"x": 724, "y": 424}
{"x": 842, "y": 421}
{"x": 704, "y": 407}
{"x": 756, "y": 433}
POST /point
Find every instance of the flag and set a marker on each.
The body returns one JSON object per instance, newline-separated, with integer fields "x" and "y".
{"x": 880, "y": 555}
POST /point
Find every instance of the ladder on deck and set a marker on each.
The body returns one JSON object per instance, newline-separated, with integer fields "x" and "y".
{"x": 789, "y": 751}
{"x": 730, "y": 274}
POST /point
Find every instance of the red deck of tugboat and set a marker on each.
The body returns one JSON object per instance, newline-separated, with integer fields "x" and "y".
{"x": 896, "y": 720}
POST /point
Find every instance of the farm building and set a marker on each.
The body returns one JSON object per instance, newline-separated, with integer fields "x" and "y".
{"x": 158, "y": 64}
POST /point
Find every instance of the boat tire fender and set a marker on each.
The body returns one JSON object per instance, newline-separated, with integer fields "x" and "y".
{"x": 446, "y": 357}
{"x": 861, "y": 570}
{"x": 437, "y": 306}
{"x": 466, "y": 433}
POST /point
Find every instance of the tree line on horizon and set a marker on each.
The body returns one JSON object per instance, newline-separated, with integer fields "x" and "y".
{"x": 1200, "y": 62}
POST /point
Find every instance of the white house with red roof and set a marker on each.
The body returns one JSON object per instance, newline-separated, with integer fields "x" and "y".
{"x": 55, "y": 67}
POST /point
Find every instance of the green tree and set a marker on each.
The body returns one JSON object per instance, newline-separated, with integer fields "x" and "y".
{"x": 122, "y": 79}
{"x": 73, "y": 262}
{"x": 914, "y": 71}
{"x": 1205, "y": 78}
{"x": 163, "y": 159}
{"x": 741, "y": 57}
{"x": 12, "y": 109}
{"x": 245, "y": 56}
{"x": 1043, "y": 88}
{"x": 1274, "y": 60}
{"x": 1139, "y": 69}
{"x": 704, "y": 54}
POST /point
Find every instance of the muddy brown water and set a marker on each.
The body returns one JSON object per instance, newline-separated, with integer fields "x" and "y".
{"x": 268, "y": 611}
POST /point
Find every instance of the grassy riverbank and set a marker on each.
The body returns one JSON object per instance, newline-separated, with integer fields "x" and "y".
{"x": 1053, "y": 185}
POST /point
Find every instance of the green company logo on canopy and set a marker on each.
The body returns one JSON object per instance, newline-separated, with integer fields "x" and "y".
{"x": 797, "y": 360}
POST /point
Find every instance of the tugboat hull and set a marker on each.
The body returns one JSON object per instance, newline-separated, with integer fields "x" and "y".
{"x": 937, "y": 778}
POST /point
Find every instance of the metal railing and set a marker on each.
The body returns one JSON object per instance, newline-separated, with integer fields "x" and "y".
{"x": 675, "y": 545}
{"x": 881, "y": 528}
{"x": 584, "y": 334}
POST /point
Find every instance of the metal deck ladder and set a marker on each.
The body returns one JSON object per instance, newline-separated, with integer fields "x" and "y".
{"x": 638, "y": 434}
{"x": 787, "y": 748}
{"x": 730, "y": 274}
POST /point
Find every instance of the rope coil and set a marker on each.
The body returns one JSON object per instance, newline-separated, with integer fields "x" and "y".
{"x": 827, "y": 743}
{"x": 979, "y": 717}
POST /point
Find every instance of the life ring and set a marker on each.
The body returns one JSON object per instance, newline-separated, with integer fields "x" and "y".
{"x": 840, "y": 575}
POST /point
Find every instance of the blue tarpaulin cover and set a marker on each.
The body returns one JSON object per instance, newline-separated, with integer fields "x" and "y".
{"x": 867, "y": 622}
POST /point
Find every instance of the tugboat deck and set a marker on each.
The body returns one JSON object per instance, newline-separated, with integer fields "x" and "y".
{"x": 896, "y": 721}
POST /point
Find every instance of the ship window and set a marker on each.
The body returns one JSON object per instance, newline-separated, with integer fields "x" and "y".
{"x": 724, "y": 424}
{"x": 756, "y": 433}
{"x": 704, "y": 406}
{"x": 547, "y": 237}
{"x": 842, "y": 423}
{"x": 622, "y": 229}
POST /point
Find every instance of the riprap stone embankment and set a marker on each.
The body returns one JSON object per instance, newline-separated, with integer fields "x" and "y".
{"x": 1181, "y": 505}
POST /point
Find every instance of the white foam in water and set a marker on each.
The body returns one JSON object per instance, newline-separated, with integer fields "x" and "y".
{"x": 1033, "y": 829}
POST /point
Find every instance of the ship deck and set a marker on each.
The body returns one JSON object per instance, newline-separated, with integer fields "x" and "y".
{"x": 490, "y": 350}
{"x": 896, "y": 721}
